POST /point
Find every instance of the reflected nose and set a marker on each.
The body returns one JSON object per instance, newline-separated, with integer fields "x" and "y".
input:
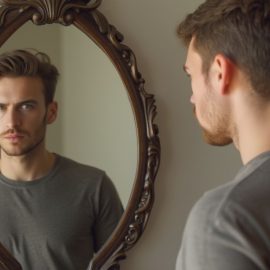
{"x": 11, "y": 119}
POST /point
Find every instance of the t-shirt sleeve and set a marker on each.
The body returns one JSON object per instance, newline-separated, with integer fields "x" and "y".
{"x": 220, "y": 240}
{"x": 108, "y": 208}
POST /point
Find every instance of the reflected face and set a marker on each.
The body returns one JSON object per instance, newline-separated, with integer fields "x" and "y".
{"x": 208, "y": 109}
{"x": 23, "y": 115}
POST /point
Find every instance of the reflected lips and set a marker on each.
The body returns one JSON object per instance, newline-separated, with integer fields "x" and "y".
{"x": 14, "y": 137}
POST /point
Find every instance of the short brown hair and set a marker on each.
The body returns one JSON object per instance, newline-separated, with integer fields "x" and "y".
{"x": 33, "y": 64}
{"x": 238, "y": 29}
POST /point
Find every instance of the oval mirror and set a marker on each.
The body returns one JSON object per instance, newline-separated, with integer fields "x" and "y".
{"x": 96, "y": 124}
{"x": 116, "y": 130}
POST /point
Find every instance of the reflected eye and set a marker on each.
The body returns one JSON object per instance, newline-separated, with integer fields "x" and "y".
{"x": 2, "y": 107}
{"x": 27, "y": 106}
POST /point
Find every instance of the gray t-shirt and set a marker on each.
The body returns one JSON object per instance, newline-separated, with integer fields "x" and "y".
{"x": 229, "y": 227}
{"x": 57, "y": 222}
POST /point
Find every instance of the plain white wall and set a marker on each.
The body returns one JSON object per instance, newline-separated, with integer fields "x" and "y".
{"x": 188, "y": 165}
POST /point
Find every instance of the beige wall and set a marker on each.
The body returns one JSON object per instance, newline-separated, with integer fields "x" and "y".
{"x": 188, "y": 166}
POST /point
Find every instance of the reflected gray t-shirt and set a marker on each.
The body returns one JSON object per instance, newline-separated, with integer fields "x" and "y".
{"x": 229, "y": 227}
{"x": 57, "y": 222}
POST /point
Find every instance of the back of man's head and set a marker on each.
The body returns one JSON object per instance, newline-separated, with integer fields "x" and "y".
{"x": 238, "y": 29}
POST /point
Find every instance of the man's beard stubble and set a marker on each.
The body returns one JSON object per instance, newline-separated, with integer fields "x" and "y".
{"x": 26, "y": 150}
{"x": 217, "y": 137}
{"x": 29, "y": 148}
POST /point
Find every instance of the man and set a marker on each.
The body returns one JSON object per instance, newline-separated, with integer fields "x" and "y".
{"x": 228, "y": 62}
{"x": 55, "y": 213}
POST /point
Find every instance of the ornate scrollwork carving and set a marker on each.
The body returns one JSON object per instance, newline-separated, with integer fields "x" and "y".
{"x": 113, "y": 262}
{"x": 136, "y": 227}
{"x": 147, "y": 198}
{"x": 116, "y": 38}
{"x": 47, "y": 11}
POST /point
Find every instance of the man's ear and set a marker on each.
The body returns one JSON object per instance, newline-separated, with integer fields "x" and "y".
{"x": 222, "y": 72}
{"x": 51, "y": 112}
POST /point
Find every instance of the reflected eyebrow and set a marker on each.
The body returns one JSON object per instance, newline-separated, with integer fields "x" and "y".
{"x": 22, "y": 102}
{"x": 27, "y": 101}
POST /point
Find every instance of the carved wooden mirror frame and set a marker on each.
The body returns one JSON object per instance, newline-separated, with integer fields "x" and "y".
{"x": 85, "y": 16}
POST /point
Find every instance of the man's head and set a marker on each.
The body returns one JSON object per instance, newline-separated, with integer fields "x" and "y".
{"x": 30, "y": 64}
{"x": 27, "y": 86}
{"x": 238, "y": 29}
{"x": 238, "y": 32}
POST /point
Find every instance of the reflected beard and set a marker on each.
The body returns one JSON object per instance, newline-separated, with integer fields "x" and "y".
{"x": 25, "y": 151}
{"x": 30, "y": 148}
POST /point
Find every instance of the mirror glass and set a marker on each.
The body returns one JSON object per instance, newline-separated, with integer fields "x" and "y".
{"x": 95, "y": 123}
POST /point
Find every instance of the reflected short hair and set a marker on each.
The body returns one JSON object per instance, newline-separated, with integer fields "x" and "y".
{"x": 30, "y": 63}
{"x": 238, "y": 29}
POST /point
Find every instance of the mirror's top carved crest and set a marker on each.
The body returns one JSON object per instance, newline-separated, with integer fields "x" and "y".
{"x": 48, "y": 11}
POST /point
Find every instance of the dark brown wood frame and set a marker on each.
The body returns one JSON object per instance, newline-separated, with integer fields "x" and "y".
{"x": 85, "y": 16}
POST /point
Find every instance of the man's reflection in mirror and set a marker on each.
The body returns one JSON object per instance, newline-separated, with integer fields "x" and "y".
{"x": 55, "y": 213}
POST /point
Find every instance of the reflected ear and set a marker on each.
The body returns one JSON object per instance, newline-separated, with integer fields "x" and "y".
{"x": 223, "y": 73}
{"x": 51, "y": 112}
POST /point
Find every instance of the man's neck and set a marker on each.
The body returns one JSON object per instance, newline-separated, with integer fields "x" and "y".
{"x": 27, "y": 167}
{"x": 252, "y": 150}
{"x": 253, "y": 135}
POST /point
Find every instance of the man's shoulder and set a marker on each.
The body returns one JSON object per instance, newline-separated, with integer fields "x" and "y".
{"x": 222, "y": 220}
{"x": 78, "y": 171}
{"x": 69, "y": 163}
{"x": 211, "y": 204}
{"x": 236, "y": 198}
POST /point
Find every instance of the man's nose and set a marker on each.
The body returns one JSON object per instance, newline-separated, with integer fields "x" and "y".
{"x": 12, "y": 118}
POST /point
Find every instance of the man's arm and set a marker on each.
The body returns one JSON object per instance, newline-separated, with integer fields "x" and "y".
{"x": 109, "y": 211}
